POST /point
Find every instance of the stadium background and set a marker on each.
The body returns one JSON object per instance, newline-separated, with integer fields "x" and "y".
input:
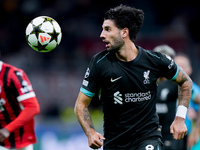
{"x": 56, "y": 76}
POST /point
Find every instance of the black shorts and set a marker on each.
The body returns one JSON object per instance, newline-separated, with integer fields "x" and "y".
{"x": 153, "y": 143}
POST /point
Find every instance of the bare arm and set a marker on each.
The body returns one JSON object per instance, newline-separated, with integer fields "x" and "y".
{"x": 31, "y": 108}
{"x": 178, "y": 127}
{"x": 82, "y": 112}
{"x": 84, "y": 118}
{"x": 184, "y": 88}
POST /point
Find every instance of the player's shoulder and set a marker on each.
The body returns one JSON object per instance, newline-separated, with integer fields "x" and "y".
{"x": 101, "y": 56}
{"x": 157, "y": 57}
{"x": 150, "y": 53}
{"x": 11, "y": 68}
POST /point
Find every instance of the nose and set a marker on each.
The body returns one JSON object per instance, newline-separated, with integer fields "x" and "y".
{"x": 102, "y": 35}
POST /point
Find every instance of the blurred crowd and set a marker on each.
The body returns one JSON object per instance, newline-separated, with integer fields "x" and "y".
{"x": 57, "y": 76}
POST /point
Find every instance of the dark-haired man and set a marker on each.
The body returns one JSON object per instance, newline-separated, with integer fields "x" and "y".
{"x": 127, "y": 76}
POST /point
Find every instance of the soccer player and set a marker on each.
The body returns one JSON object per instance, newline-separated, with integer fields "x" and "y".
{"x": 167, "y": 95}
{"x": 126, "y": 75}
{"x": 166, "y": 105}
{"x": 18, "y": 106}
{"x": 193, "y": 116}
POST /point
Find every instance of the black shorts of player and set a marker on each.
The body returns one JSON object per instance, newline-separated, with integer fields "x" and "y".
{"x": 153, "y": 143}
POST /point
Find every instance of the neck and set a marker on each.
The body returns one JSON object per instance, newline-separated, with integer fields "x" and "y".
{"x": 128, "y": 52}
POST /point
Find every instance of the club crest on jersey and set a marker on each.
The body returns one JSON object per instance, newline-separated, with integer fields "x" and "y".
{"x": 146, "y": 77}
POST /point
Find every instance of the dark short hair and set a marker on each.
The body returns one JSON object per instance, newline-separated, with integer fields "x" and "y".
{"x": 126, "y": 17}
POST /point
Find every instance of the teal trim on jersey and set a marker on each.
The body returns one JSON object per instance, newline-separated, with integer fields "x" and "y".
{"x": 153, "y": 55}
{"x": 102, "y": 57}
{"x": 86, "y": 92}
{"x": 176, "y": 73}
{"x": 158, "y": 147}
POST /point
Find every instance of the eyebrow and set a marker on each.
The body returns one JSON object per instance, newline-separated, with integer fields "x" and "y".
{"x": 107, "y": 26}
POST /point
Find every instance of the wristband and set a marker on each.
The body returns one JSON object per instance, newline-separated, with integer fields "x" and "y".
{"x": 181, "y": 111}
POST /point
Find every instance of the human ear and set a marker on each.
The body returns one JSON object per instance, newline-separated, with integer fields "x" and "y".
{"x": 125, "y": 32}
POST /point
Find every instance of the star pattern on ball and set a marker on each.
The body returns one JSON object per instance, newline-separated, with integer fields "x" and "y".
{"x": 48, "y": 19}
{"x": 54, "y": 35}
{"x": 36, "y": 30}
{"x": 41, "y": 47}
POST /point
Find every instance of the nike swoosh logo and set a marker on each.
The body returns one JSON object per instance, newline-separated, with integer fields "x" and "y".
{"x": 113, "y": 80}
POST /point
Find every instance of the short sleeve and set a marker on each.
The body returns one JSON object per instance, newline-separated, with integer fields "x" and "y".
{"x": 169, "y": 69}
{"x": 20, "y": 83}
{"x": 90, "y": 84}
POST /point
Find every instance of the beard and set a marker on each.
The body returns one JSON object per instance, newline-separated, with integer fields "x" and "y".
{"x": 118, "y": 43}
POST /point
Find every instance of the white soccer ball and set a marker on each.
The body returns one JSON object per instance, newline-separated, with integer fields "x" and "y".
{"x": 43, "y": 34}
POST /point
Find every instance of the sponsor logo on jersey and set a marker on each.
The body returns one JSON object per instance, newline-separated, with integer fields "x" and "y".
{"x": 115, "y": 79}
{"x": 146, "y": 77}
{"x": 131, "y": 97}
{"x": 137, "y": 97}
{"x": 118, "y": 98}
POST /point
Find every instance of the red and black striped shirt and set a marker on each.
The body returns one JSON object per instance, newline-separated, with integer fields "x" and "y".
{"x": 15, "y": 88}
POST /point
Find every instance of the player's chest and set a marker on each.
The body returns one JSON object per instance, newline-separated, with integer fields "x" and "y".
{"x": 129, "y": 76}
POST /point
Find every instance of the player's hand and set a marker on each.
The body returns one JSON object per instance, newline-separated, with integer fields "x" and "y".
{"x": 4, "y": 133}
{"x": 95, "y": 140}
{"x": 178, "y": 128}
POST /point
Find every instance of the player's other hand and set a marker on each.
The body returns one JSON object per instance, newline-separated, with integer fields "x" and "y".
{"x": 4, "y": 133}
{"x": 95, "y": 140}
{"x": 178, "y": 128}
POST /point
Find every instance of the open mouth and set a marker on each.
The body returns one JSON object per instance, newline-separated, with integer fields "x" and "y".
{"x": 107, "y": 44}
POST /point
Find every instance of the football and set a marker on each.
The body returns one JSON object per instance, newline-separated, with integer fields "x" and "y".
{"x": 43, "y": 34}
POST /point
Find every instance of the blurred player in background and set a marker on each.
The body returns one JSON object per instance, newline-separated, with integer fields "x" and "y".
{"x": 18, "y": 106}
{"x": 167, "y": 99}
{"x": 193, "y": 115}
{"x": 127, "y": 75}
